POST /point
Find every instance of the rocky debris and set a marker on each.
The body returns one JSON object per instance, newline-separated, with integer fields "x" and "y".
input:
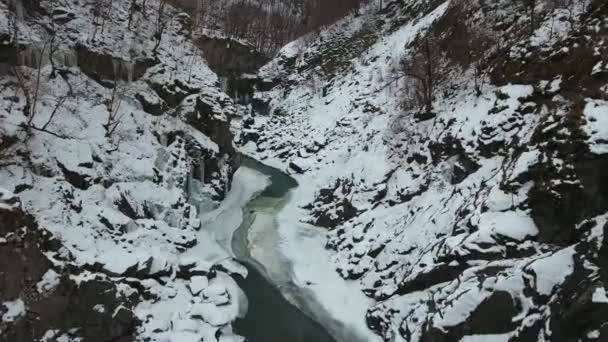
{"x": 62, "y": 15}
{"x": 296, "y": 168}
{"x": 54, "y": 300}
{"x": 451, "y": 148}
{"x": 152, "y": 104}
{"x": 208, "y": 115}
{"x": 80, "y": 181}
{"x": 210, "y": 118}
{"x": 112, "y": 212}
{"x": 173, "y": 93}
{"x": 476, "y": 222}
{"x": 332, "y": 206}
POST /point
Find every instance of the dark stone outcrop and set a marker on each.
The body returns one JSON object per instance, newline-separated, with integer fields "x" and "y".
{"x": 78, "y": 180}
{"x": 173, "y": 93}
{"x": 564, "y": 195}
{"x": 332, "y": 206}
{"x": 154, "y": 106}
{"x": 423, "y": 280}
{"x": 493, "y": 316}
{"x": 228, "y": 57}
{"x": 104, "y": 68}
{"x": 92, "y": 310}
{"x": 8, "y": 50}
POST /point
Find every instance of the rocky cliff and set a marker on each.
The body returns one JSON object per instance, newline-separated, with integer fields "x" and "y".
{"x": 114, "y": 137}
{"x": 480, "y": 216}
{"x": 450, "y": 156}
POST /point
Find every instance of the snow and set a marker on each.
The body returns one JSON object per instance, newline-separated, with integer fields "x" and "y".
{"x": 552, "y": 270}
{"x": 198, "y": 284}
{"x": 217, "y": 301}
{"x": 99, "y": 308}
{"x": 49, "y": 281}
{"x": 179, "y": 314}
{"x": 219, "y": 225}
{"x": 486, "y": 338}
{"x": 599, "y": 296}
{"x": 413, "y": 218}
{"x": 596, "y": 125}
{"x": 126, "y": 203}
{"x": 593, "y": 334}
{"x": 8, "y": 200}
{"x": 558, "y": 26}
{"x": 13, "y": 310}
{"x": 57, "y": 336}
{"x": 303, "y": 245}
{"x": 515, "y": 225}
{"x": 135, "y": 218}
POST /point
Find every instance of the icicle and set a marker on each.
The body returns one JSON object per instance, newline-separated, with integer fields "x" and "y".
{"x": 202, "y": 175}
{"x": 70, "y": 58}
{"x": 224, "y": 84}
{"x": 129, "y": 66}
{"x": 116, "y": 67}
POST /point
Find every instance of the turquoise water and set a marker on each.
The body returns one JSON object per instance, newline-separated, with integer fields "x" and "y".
{"x": 271, "y": 317}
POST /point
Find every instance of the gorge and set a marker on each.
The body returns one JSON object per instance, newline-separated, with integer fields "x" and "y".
{"x": 402, "y": 171}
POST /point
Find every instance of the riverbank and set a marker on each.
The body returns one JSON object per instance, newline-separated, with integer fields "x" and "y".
{"x": 266, "y": 311}
{"x": 292, "y": 256}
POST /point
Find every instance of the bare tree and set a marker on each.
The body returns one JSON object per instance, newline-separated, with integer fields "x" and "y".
{"x": 101, "y": 14}
{"x": 425, "y": 68}
{"x": 114, "y": 116}
{"x": 58, "y": 106}
{"x": 479, "y": 44}
{"x": 161, "y": 24}
{"x": 31, "y": 89}
{"x": 15, "y": 15}
{"x": 530, "y": 6}
{"x": 132, "y": 9}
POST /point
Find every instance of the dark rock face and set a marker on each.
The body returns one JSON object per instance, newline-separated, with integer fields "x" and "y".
{"x": 228, "y": 57}
{"x": 332, "y": 207}
{"x": 493, "y": 316}
{"x": 93, "y": 310}
{"x": 296, "y": 168}
{"x": 8, "y": 50}
{"x": 210, "y": 122}
{"x": 437, "y": 275}
{"x": 243, "y": 88}
{"x": 576, "y": 301}
{"x": 208, "y": 114}
{"x": 450, "y": 147}
{"x": 20, "y": 257}
{"x": 78, "y": 180}
{"x": 173, "y": 93}
{"x": 104, "y": 68}
{"x": 154, "y": 106}
{"x": 564, "y": 196}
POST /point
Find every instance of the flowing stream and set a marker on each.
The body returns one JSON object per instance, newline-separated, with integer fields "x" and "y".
{"x": 271, "y": 316}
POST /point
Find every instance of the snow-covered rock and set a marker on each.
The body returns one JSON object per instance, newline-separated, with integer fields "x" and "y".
{"x": 114, "y": 138}
{"x": 481, "y": 221}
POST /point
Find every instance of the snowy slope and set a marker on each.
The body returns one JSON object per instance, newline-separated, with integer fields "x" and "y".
{"x": 129, "y": 145}
{"x": 486, "y": 219}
